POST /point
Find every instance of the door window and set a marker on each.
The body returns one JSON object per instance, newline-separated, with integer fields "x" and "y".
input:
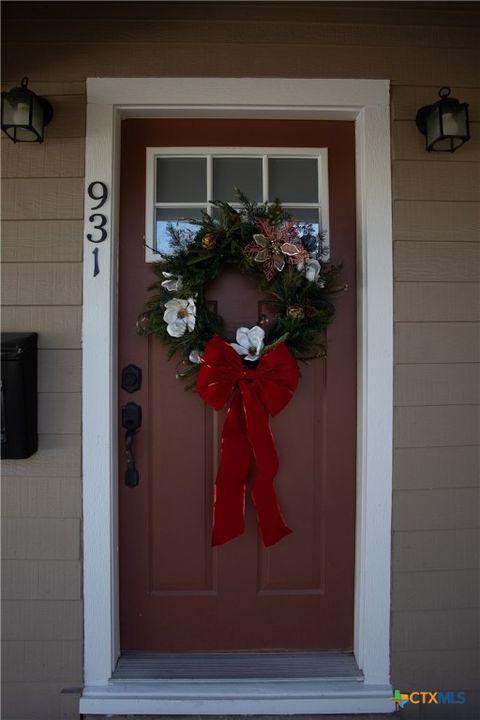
{"x": 180, "y": 186}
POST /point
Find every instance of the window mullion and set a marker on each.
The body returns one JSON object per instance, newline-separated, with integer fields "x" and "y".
{"x": 265, "y": 177}
{"x": 209, "y": 183}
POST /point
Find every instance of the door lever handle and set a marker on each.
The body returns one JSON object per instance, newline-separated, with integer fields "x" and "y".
{"x": 131, "y": 421}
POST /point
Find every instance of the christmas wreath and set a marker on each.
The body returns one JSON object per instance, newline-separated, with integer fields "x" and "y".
{"x": 255, "y": 373}
{"x": 264, "y": 242}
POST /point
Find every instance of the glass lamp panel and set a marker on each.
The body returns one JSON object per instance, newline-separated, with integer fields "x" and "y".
{"x": 433, "y": 126}
{"x": 243, "y": 173}
{"x": 443, "y": 145}
{"x": 181, "y": 180}
{"x": 293, "y": 180}
{"x": 180, "y": 218}
{"x": 19, "y": 114}
{"x": 37, "y": 117}
{"x": 25, "y": 135}
{"x": 454, "y": 121}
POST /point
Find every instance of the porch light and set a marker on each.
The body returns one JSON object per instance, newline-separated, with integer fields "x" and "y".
{"x": 24, "y": 114}
{"x": 445, "y": 123}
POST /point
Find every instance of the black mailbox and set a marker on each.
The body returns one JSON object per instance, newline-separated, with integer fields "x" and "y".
{"x": 19, "y": 394}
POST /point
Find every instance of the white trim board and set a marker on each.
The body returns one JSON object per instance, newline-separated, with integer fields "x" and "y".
{"x": 285, "y": 697}
{"x": 367, "y": 102}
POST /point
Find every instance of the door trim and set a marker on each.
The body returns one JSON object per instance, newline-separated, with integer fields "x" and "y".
{"x": 109, "y": 100}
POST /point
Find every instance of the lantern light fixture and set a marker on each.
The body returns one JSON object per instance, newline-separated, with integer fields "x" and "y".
{"x": 445, "y": 123}
{"x": 24, "y": 114}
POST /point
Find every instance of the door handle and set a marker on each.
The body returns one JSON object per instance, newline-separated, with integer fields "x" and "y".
{"x": 131, "y": 421}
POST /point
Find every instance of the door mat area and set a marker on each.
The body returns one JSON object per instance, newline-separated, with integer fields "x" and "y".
{"x": 221, "y": 666}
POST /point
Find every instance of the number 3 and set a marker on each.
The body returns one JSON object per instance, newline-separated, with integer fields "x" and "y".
{"x": 100, "y": 227}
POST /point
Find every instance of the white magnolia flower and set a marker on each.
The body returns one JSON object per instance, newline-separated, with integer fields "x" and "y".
{"x": 179, "y": 316}
{"x": 195, "y": 357}
{"x": 311, "y": 268}
{"x": 249, "y": 342}
{"x": 173, "y": 283}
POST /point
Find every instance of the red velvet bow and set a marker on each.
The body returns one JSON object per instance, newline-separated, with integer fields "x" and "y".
{"x": 257, "y": 393}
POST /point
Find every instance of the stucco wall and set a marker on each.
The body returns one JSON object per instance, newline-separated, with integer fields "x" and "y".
{"x": 435, "y": 603}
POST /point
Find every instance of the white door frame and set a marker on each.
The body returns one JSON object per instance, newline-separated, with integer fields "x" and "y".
{"x": 367, "y": 103}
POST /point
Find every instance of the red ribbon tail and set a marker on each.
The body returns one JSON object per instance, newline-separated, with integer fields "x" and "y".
{"x": 270, "y": 520}
{"x": 229, "y": 492}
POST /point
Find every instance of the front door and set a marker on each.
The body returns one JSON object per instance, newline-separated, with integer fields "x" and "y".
{"x": 177, "y": 593}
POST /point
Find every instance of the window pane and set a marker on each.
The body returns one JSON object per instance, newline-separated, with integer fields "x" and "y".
{"x": 293, "y": 179}
{"x": 310, "y": 217}
{"x": 181, "y": 179}
{"x": 179, "y": 217}
{"x": 304, "y": 215}
{"x": 243, "y": 173}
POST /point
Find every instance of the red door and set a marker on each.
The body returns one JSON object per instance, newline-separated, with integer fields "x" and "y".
{"x": 177, "y": 593}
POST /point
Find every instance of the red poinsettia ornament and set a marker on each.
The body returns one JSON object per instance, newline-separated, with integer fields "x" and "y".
{"x": 274, "y": 244}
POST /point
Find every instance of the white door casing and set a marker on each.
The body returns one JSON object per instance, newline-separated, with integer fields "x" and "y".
{"x": 109, "y": 100}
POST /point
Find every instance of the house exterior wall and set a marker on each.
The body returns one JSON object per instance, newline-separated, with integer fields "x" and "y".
{"x": 436, "y": 508}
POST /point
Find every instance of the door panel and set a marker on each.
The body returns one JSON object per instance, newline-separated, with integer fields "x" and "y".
{"x": 177, "y": 593}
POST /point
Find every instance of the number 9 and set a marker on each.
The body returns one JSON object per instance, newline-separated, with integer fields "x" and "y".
{"x": 102, "y": 198}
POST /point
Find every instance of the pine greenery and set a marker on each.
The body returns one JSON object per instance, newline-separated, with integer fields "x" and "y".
{"x": 301, "y": 309}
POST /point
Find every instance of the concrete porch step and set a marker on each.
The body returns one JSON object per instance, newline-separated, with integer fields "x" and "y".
{"x": 251, "y": 717}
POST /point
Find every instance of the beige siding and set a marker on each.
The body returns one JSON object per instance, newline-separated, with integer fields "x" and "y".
{"x": 420, "y": 550}
{"x": 427, "y": 180}
{"x": 57, "y": 456}
{"x": 42, "y": 230}
{"x": 59, "y": 371}
{"x": 42, "y": 701}
{"x": 436, "y": 225}
{"x": 58, "y": 327}
{"x": 434, "y": 426}
{"x": 419, "y": 630}
{"x": 442, "y": 509}
{"x": 44, "y": 283}
{"x": 437, "y": 262}
{"x": 442, "y": 590}
{"x": 224, "y": 57}
{"x": 437, "y": 342}
{"x": 59, "y": 413}
{"x": 42, "y": 198}
{"x": 41, "y": 538}
{"x": 438, "y": 669}
{"x": 24, "y": 621}
{"x": 437, "y": 301}
{"x": 43, "y": 660}
{"x": 42, "y": 240}
{"x": 431, "y": 220}
{"x": 435, "y": 467}
{"x": 62, "y": 157}
{"x": 33, "y": 580}
{"x": 437, "y": 384}
{"x": 40, "y": 497}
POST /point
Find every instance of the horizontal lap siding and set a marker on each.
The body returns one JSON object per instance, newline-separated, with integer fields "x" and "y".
{"x": 436, "y": 224}
{"x": 42, "y": 230}
{"x": 436, "y": 500}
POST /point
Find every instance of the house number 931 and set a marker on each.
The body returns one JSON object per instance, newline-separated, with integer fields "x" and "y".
{"x": 98, "y": 192}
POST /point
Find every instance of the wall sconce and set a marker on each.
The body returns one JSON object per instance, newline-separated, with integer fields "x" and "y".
{"x": 445, "y": 123}
{"x": 24, "y": 114}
